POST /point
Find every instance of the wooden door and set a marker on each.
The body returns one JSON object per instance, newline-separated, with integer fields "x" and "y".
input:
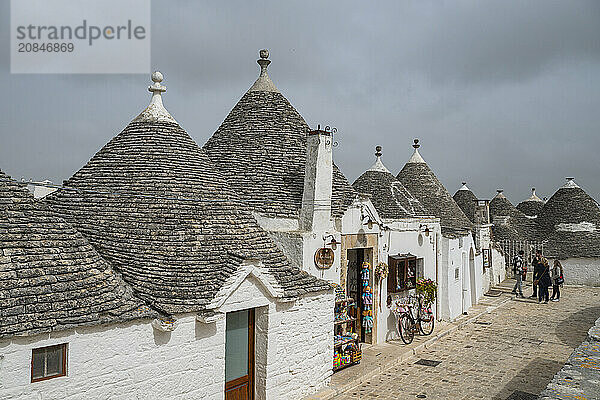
{"x": 239, "y": 355}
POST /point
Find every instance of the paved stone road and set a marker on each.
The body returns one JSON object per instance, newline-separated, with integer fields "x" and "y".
{"x": 511, "y": 353}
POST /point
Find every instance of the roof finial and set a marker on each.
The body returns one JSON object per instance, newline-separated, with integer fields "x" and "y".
{"x": 464, "y": 186}
{"x": 533, "y": 191}
{"x": 416, "y": 157}
{"x": 499, "y": 190}
{"x": 570, "y": 182}
{"x": 156, "y": 111}
{"x": 263, "y": 61}
{"x": 263, "y": 83}
{"x": 378, "y": 166}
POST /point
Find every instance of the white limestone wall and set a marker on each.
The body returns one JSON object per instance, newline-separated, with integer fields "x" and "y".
{"x": 300, "y": 347}
{"x": 294, "y": 353}
{"x": 126, "y": 361}
{"x": 458, "y": 291}
{"x": 403, "y": 238}
{"x": 581, "y": 271}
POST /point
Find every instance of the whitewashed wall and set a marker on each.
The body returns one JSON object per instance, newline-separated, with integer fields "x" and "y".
{"x": 294, "y": 350}
{"x": 581, "y": 271}
{"x": 300, "y": 347}
{"x": 126, "y": 361}
{"x": 404, "y": 238}
{"x": 470, "y": 280}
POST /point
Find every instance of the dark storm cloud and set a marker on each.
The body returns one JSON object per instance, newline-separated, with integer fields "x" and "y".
{"x": 502, "y": 94}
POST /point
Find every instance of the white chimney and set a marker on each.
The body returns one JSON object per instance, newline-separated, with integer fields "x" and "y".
{"x": 318, "y": 178}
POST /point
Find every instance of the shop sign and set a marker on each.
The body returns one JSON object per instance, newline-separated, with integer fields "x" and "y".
{"x": 324, "y": 258}
{"x": 487, "y": 260}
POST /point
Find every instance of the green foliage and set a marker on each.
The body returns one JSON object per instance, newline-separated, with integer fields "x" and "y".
{"x": 428, "y": 289}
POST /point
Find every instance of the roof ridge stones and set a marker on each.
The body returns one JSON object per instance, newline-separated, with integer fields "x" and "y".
{"x": 261, "y": 147}
{"x": 420, "y": 180}
{"x": 390, "y": 198}
{"x": 51, "y": 278}
{"x": 153, "y": 204}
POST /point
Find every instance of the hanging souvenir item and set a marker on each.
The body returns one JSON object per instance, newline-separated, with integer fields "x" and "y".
{"x": 365, "y": 274}
{"x": 367, "y": 300}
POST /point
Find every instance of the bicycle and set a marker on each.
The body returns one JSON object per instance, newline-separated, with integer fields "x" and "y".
{"x": 425, "y": 317}
{"x": 405, "y": 323}
{"x": 407, "y": 319}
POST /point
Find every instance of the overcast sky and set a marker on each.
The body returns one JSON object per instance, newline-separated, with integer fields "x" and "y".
{"x": 502, "y": 94}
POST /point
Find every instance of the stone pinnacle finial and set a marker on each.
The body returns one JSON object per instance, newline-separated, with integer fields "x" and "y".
{"x": 569, "y": 178}
{"x": 157, "y": 88}
{"x": 533, "y": 191}
{"x": 156, "y": 112}
{"x": 416, "y": 145}
{"x": 263, "y": 83}
{"x": 378, "y": 151}
{"x": 464, "y": 183}
{"x": 263, "y": 61}
{"x": 499, "y": 190}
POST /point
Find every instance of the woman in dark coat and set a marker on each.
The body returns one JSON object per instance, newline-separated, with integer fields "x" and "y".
{"x": 544, "y": 281}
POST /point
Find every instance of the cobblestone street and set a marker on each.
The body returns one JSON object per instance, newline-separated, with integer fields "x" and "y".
{"x": 511, "y": 353}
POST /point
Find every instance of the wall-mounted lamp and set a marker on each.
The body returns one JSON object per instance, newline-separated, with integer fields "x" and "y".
{"x": 369, "y": 221}
{"x": 332, "y": 242}
{"x": 426, "y": 229}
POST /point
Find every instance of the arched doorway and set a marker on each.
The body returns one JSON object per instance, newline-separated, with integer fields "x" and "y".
{"x": 472, "y": 277}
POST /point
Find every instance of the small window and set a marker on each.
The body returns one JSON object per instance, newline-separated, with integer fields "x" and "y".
{"x": 456, "y": 273}
{"x": 48, "y": 362}
{"x": 402, "y": 273}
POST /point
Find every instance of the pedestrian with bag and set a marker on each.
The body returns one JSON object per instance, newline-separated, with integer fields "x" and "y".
{"x": 534, "y": 264}
{"x": 518, "y": 264}
{"x": 557, "y": 280}
{"x": 542, "y": 272}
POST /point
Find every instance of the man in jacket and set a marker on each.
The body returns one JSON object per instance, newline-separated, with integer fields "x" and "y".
{"x": 518, "y": 264}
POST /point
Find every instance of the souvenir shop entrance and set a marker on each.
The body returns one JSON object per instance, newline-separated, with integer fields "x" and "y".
{"x": 359, "y": 286}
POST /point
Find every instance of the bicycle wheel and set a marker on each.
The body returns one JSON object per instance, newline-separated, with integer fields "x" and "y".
{"x": 426, "y": 322}
{"x": 406, "y": 327}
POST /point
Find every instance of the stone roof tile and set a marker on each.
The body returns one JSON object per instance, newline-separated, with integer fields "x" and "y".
{"x": 153, "y": 204}
{"x": 51, "y": 278}
{"x": 261, "y": 149}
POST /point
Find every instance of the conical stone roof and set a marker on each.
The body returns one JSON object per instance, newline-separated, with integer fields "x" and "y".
{"x": 532, "y": 205}
{"x": 152, "y": 203}
{"x": 51, "y": 278}
{"x": 467, "y": 201}
{"x": 390, "y": 198}
{"x": 261, "y": 149}
{"x": 510, "y": 223}
{"x": 570, "y": 220}
{"x": 420, "y": 180}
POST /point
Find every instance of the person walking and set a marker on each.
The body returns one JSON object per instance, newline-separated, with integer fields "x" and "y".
{"x": 518, "y": 264}
{"x": 557, "y": 280}
{"x": 534, "y": 264}
{"x": 542, "y": 271}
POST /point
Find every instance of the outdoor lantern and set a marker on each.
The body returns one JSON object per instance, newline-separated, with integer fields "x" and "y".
{"x": 333, "y": 243}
